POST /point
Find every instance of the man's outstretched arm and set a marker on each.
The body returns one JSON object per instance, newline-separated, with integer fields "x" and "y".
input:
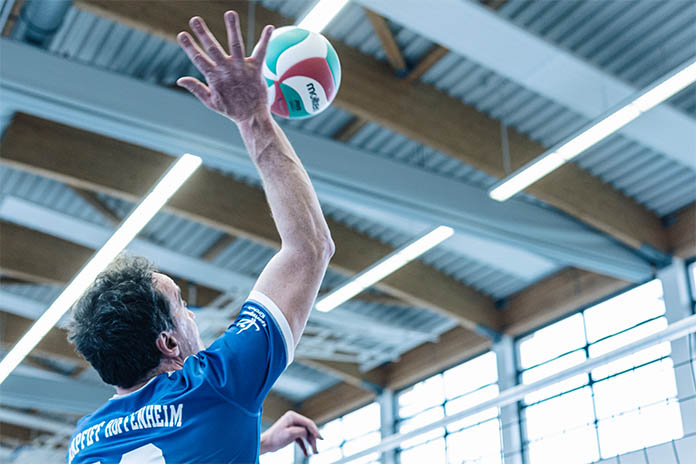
{"x": 236, "y": 89}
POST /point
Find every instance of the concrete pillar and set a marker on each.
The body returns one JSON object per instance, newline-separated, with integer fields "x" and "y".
{"x": 388, "y": 413}
{"x": 678, "y": 305}
{"x": 509, "y": 415}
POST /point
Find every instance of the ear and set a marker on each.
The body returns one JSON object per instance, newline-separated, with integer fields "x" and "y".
{"x": 168, "y": 345}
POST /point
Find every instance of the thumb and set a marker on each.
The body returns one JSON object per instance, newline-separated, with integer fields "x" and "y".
{"x": 196, "y": 87}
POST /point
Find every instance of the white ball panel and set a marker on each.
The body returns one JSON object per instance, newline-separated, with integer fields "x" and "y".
{"x": 311, "y": 47}
{"x": 313, "y": 103}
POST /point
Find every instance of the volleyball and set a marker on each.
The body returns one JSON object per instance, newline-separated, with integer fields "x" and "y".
{"x": 302, "y": 72}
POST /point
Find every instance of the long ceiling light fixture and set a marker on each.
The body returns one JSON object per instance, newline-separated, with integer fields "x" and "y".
{"x": 321, "y": 14}
{"x": 384, "y": 267}
{"x": 596, "y": 131}
{"x": 138, "y": 218}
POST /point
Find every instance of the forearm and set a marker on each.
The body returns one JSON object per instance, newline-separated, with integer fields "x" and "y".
{"x": 292, "y": 199}
{"x": 264, "y": 446}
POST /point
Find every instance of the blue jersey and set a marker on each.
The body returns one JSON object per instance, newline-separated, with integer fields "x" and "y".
{"x": 207, "y": 412}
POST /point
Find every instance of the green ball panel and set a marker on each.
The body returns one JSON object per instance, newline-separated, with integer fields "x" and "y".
{"x": 281, "y": 43}
{"x": 334, "y": 65}
{"x": 296, "y": 108}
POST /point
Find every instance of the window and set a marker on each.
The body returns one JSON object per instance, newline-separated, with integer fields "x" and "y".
{"x": 613, "y": 409}
{"x": 474, "y": 439}
{"x": 282, "y": 456}
{"x": 350, "y": 434}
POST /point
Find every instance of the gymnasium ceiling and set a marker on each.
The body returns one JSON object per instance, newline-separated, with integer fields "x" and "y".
{"x": 412, "y": 141}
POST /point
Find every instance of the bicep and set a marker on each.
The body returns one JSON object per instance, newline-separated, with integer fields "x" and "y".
{"x": 292, "y": 279}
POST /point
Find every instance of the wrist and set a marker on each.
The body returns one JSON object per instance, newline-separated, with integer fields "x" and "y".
{"x": 258, "y": 117}
{"x": 263, "y": 443}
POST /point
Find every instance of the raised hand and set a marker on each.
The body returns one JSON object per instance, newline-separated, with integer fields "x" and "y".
{"x": 291, "y": 427}
{"x": 235, "y": 83}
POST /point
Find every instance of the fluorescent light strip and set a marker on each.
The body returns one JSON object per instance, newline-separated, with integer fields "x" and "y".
{"x": 383, "y": 268}
{"x": 596, "y": 132}
{"x": 141, "y": 215}
{"x": 321, "y": 14}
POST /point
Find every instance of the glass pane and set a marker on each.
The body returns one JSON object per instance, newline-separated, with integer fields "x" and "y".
{"x": 552, "y": 341}
{"x": 544, "y": 419}
{"x": 419, "y": 420}
{"x": 282, "y": 456}
{"x": 421, "y": 396}
{"x": 624, "y": 311}
{"x": 361, "y": 443}
{"x": 562, "y": 429}
{"x": 431, "y": 452}
{"x": 333, "y": 435}
{"x": 692, "y": 273}
{"x": 460, "y": 404}
{"x": 480, "y": 445}
{"x": 627, "y": 392}
{"x": 635, "y": 359}
{"x": 576, "y": 446}
{"x": 551, "y": 367}
{"x": 470, "y": 375}
{"x": 326, "y": 457}
{"x": 637, "y": 429}
{"x": 361, "y": 421}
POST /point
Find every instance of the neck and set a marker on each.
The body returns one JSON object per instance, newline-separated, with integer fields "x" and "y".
{"x": 171, "y": 365}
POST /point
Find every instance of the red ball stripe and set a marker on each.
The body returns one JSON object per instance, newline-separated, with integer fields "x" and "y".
{"x": 279, "y": 106}
{"x": 314, "y": 68}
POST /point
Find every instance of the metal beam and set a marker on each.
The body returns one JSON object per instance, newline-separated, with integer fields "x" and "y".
{"x": 542, "y": 67}
{"x": 682, "y": 232}
{"x": 92, "y": 236}
{"x": 66, "y": 396}
{"x": 33, "y": 421}
{"x": 153, "y": 117}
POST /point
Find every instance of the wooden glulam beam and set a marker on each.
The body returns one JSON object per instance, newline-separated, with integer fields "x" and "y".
{"x": 335, "y": 401}
{"x": 386, "y": 38}
{"x": 348, "y": 372}
{"x": 453, "y": 347}
{"x": 349, "y": 129}
{"x": 218, "y": 247}
{"x": 555, "y": 297}
{"x": 682, "y": 232}
{"x": 370, "y": 90}
{"x": 12, "y": 18}
{"x": 54, "y": 344}
{"x": 94, "y": 162}
{"x": 430, "y": 59}
{"x": 12, "y": 434}
{"x": 93, "y": 200}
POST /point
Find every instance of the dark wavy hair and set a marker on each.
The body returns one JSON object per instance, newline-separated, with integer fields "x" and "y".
{"x": 115, "y": 324}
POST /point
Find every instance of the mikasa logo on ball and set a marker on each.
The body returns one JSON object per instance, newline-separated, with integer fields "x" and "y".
{"x": 313, "y": 96}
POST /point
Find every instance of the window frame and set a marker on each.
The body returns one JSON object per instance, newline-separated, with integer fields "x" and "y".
{"x": 446, "y": 433}
{"x": 591, "y": 382}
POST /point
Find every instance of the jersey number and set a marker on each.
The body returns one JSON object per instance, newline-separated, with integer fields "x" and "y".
{"x": 148, "y": 454}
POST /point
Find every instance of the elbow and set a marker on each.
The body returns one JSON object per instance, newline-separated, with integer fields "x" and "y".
{"x": 314, "y": 249}
{"x": 329, "y": 248}
{"x": 321, "y": 249}
{"x": 324, "y": 248}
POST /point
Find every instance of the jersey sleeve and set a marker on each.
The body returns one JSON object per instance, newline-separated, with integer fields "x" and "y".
{"x": 246, "y": 360}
